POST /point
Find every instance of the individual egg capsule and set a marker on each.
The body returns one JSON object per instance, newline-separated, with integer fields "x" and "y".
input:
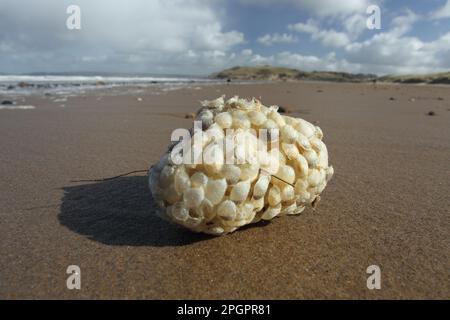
{"x": 249, "y": 171}
{"x": 240, "y": 191}
{"x": 213, "y": 158}
{"x": 270, "y": 124}
{"x": 199, "y": 139}
{"x": 227, "y": 210}
{"x": 287, "y": 193}
{"x": 181, "y": 180}
{"x": 278, "y": 156}
{"x": 199, "y": 179}
{"x": 215, "y": 190}
{"x": 178, "y": 212}
{"x": 290, "y": 209}
{"x": 205, "y": 210}
{"x": 290, "y": 150}
{"x": 322, "y": 152}
{"x": 304, "y": 127}
{"x": 289, "y": 120}
{"x": 301, "y": 165}
{"x": 318, "y": 145}
{"x": 215, "y": 230}
{"x": 231, "y": 173}
{"x": 286, "y": 173}
{"x": 214, "y": 133}
{"x": 258, "y": 204}
{"x": 288, "y": 134}
{"x": 245, "y": 212}
{"x": 311, "y": 157}
{"x": 303, "y": 142}
{"x": 263, "y": 158}
{"x": 245, "y": 149}
{"x": 240, "y": 120}
{"x": 166, "y": 176}
{"x": 274, "y": 196}
{"x": 303, "y": 197}
{"x": 271, "y": 212}
{"x": 193, "y": 223}
{"x": 171, "y": 195}
{"x": 261, "y": 186}
{"x": 224, "y": 119}
{"x": 206, "y": 117}
{"x": 257, "y": 118}
{"x": 192, "y": 197}
{"x": 315, "y": 177}
{"x": 272, "y": 164}
{"x": 300, "y": 186}
{"x": 277, "y": 118}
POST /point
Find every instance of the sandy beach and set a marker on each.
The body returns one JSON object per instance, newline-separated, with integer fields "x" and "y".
{"x": 387, "y": 205}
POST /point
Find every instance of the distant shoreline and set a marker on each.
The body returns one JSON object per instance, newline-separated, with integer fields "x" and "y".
{"x": 77, "y": 83}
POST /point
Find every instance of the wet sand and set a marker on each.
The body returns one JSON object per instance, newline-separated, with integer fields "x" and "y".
{"x": 387, "y": 205}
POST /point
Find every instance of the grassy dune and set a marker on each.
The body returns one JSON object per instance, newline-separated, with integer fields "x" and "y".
{"x": 280, "y": 73}
{"x": 433, "y": 78}
{"x": 284, "y": 74}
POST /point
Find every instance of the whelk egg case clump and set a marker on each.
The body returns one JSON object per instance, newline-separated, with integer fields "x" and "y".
{"x": 219, "y": 196}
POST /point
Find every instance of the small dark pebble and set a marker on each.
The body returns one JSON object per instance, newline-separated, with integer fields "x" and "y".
{"x": 7, "y": 102}
{"x": 440, "y": 98}
{"x": 282, "y": 109}
{"x": 431, "y": 113}
{"x": 320, "y": 90}
{"x": 392, "y": 98}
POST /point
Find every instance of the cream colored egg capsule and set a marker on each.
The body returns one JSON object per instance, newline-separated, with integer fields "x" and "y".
{"x": 219, "y": 197}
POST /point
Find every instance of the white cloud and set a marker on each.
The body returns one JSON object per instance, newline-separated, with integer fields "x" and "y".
{"x": 270, "y": 39}
{"x": 190, "y": 37}
{"x": 403, "y": 23}
{"x": 137, "y": 35}
{"x": 355, "y": 24}
{"x": 395, "y": 52}
{"x": 329, "y": 38}
{"x": 443, "y": 12}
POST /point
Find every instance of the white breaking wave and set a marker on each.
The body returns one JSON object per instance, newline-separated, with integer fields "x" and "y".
{"x": 93, "y": 79}
{"x": 12, "y": 107}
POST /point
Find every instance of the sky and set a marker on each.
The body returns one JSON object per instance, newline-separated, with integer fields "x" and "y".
{"x": 198, "y": 37}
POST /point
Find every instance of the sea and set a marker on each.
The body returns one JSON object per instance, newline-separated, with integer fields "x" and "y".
{"x": 11, "y": 85}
